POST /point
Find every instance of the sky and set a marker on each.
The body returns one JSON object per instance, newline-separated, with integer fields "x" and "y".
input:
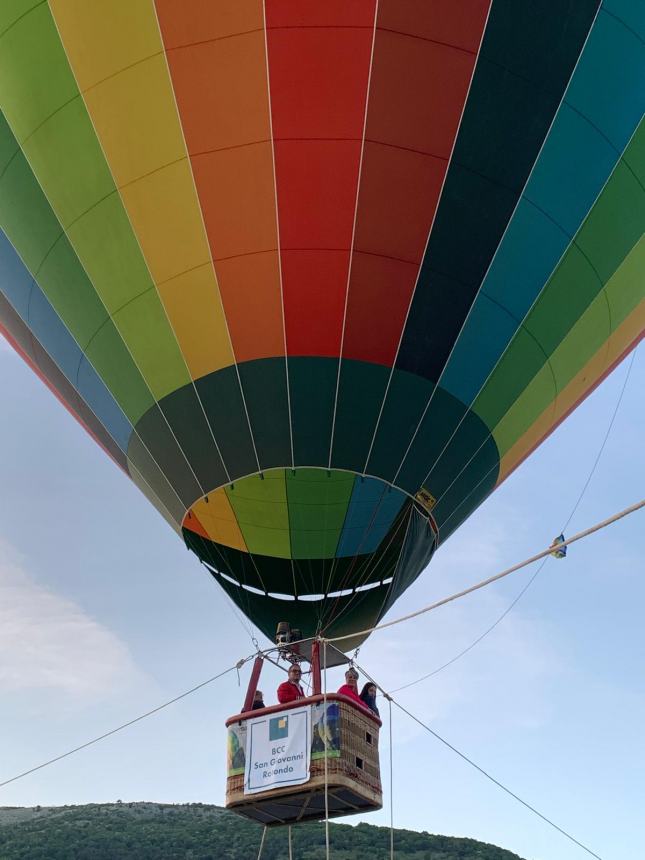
{"x": 104, "y": 615}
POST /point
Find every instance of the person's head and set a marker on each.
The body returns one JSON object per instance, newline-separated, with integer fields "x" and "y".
{"x": 368, "y": 691}
{"x": 258, "y": 697}
{"x": 295, "y": 673}
{"x": 351, "y": 678}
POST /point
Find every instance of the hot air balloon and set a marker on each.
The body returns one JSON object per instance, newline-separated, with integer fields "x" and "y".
{"x": 319, "y": 276}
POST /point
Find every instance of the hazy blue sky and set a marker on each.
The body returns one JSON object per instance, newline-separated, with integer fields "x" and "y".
{"x": 104, "y": 614}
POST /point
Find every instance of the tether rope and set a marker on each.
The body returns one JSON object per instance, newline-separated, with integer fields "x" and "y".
{"x": 389, "y": 701}
{"x": 327, "y": 854}
{"x": 630, "y": 510}
{"x": 604, "y": 442}
{"x": 156, "y": 710}
{"x": 526, "y": 587}
{"x": 497, "y": 782}
{"x": 481, "y": 770}
{"x": 264, "y": 833}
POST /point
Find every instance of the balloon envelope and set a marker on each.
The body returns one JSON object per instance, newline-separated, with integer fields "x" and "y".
{"x": 319, "y": 276}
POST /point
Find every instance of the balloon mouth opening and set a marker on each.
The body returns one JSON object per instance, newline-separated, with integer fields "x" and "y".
{"x": 302, "y": 513}
{"x": 307, "y": 598}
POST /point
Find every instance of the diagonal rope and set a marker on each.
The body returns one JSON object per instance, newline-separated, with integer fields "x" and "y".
{"x": 479, "y": 638}
{"x": 497, "y": 782}
{"x": 389, "y": 702}
{"x": 264, "y": 833}
{"x": 601, "y": 525}
{"x": 544, "y": 560}
{"x": 604, "y": 441}
{"x": 481, "y": 770}
{"x": 120, "y": 728}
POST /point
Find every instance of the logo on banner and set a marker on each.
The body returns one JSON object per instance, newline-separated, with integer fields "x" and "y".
{"x": 278, "y": 728}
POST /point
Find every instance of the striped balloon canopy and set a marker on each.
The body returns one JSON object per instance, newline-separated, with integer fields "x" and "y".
{"x": 318, "y": 276}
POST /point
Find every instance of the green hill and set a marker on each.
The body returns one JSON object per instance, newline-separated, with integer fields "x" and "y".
{"x": 157, "y": 831}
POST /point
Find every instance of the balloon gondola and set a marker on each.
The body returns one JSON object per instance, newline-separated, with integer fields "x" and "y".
{"x": 304, "y": 760}
{"x": 318, "y": 277}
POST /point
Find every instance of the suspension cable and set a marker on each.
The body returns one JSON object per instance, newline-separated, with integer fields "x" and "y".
{"x": 497, "y": 782}
{"x": 526, "y": 587}
{"x": 630, "y": 510}
{"x": 264, "y": 833}
{"x": 138, "y": 719}
{"x": 327, "y": 855}
{"x": 389, "y": 701}
{"x": 476, "y": 641}
{"x": 604, "y": 442}
{"x": 481, "y": 770}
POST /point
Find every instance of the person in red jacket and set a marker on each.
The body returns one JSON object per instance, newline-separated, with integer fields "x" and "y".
{"x": 291, "y": 691}
{"x": 350, "y": 687}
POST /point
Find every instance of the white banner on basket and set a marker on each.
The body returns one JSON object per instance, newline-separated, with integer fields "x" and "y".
{"x": 278, "y": 750}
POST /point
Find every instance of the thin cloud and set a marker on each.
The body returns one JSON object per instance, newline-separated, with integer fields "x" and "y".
{"x": 49, "y": 642}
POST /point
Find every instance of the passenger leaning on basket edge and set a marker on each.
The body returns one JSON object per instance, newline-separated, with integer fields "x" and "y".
{"x": 291, "y": 691}
{"x": 350, "y": 687}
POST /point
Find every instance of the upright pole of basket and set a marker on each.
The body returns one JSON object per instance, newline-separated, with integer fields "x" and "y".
{"x": 325, "y": 748}
{"x": 389, "y": 701}
{"x": 290, "y": 848}
{"x": 315, "y": 668}
{"x": 253, "y": 684}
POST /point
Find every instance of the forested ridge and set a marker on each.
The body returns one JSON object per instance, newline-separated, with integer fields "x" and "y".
{"x": 156, "y": 831}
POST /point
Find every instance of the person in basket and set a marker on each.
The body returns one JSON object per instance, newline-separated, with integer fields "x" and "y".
{"x": 291, "y": 691}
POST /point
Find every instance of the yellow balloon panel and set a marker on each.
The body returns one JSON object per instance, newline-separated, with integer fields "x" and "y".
{"x": 218, "y": 520}
{"x": 122, "y": 73}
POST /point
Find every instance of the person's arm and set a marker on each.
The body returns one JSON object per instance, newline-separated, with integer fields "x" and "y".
{"x": 282, "y": 693}
{"x": 348, "y": 691}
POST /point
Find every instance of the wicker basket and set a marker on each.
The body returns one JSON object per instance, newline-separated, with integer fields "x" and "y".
{"x": 353, "y": 776}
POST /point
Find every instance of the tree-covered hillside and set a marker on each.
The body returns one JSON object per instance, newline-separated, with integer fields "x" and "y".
{"x": 155, "y": 831}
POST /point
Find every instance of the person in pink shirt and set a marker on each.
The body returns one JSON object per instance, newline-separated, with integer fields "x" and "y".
{"x": 350, "y": 687}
